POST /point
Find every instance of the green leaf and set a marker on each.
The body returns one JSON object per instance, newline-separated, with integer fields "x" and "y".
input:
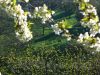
{"x": 82, "y": 6}
{"x": 14, "y": 2}
{"x": 85, "y": 19}
{"x": 70, "y": 22}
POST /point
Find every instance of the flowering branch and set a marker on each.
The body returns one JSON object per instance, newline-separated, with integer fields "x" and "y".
{"x": 20, "y": 17}
{"x": 91, "y": 20}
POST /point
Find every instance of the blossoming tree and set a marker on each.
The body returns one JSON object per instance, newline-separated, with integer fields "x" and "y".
{"x": 90, "y": 19}
{"x": 20, "y": 17}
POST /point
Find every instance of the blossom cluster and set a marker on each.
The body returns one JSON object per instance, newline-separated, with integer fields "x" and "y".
{"x": 20, "y": 17}
{"x": 88, "y": 39}
{"x": 5, "y": 1}
{"x": 60, "y": 29}
{"x": 44, "y": 13}
{"x": 22, "y": 31}
{"x": 91, "y": 20}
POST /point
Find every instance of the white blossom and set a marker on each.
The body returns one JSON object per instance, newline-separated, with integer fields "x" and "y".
{"x": 96, "y": 45}
{"x": 56, "y": 29}
{"x": 36, "y": 9}
{"x": 26, "y": 1}
{"x": 26, "y": 33}
{"x": 86, "y": 0}
{"x": 98, "y": 48}
{"x": 0, "y": 73}
{"x": 86, "y": 35}
{"x": 5, "y": 1}
{"x": 84, "y": 13}
{"x": 93, "y": 22}
{"x": 20, "y": 17}
{"x": 25, "y": 36}
{"x": 80, "y": 38}
{"x": 43, "y": 13}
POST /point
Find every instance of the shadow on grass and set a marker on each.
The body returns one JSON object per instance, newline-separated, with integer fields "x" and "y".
{"x": 46, "y": 37}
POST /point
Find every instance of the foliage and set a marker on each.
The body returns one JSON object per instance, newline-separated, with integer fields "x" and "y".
{"x": 91, "y": 20}
{"x": 52, "y": 57}
{"x": 47, "y": 54}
